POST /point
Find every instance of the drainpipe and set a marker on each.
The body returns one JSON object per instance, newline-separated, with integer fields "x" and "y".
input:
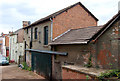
{"x": 51, "y": 49}
{"x": 51, "y": 28}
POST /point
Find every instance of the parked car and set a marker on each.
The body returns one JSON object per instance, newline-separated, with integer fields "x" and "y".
{"x": 3, "y": 60}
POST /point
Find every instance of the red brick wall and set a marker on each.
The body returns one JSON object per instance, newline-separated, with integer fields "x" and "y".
{"x": 69, "y": 74}
{"x": 20, "y": 36}
{"x": 7, "y": 41}
{"x": 107, "y": 48}
{"x": 1, "y": 41}
{"x": 75, "y": 17}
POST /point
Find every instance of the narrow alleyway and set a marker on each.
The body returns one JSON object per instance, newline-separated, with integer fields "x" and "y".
{"x": 13, "y": 72}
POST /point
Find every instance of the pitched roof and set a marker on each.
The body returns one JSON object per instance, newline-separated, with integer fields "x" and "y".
{"x": 15, "y": 32}
{"x": 77, "y": 36}
{"x": 20, "y": 34}
{"x": 106, "y": 26}
{"x": 59, "y": 12}
{"x": 84, "y": 35}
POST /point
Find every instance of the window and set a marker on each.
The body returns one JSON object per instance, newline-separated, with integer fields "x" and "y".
{"x": 46, "y": 35}
{"x": 31, "y": 33}
{"x": 39, "y": 37}
{"x": 13, "y": 40}
{"x": 35, "y": 33}
{"x": 27, "y": 30}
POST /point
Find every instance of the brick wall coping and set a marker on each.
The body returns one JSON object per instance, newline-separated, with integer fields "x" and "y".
{"x": 84, "y": 70}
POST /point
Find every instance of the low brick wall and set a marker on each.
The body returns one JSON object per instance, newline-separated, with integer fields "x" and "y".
{"x": 70, "y": 74}
{"x": 76, "y": 72}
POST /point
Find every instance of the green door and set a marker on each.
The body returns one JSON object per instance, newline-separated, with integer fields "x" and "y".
{"x": 41, "y": 63}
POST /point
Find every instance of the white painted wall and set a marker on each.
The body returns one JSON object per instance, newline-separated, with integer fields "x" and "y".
{"x": 12, "y": 45}
{"x": 1, "y": 45}
{"x": 15, "y": 49}
{"x": 3, "y": 48}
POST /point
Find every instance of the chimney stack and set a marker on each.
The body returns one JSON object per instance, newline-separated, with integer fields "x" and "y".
{"x": 26, "y": 23}
{"x": 10, "y": 32}
{"x": 118, "y": 6}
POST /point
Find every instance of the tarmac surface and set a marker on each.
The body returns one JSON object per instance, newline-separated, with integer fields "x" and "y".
{"x": 12, "y": 72}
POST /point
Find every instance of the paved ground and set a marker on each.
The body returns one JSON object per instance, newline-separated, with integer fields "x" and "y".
{"x": 13, "y": 72}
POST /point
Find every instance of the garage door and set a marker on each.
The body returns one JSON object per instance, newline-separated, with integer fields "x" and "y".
{"x": 41, "y": 64}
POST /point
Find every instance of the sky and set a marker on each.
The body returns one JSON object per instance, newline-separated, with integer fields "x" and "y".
{"x": 13, "y": 12}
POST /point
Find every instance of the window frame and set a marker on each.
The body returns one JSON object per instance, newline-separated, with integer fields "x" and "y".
{"x": 27, "y": 30}
{"x": 46, "y": 33}
{"x": 36, "y": 31}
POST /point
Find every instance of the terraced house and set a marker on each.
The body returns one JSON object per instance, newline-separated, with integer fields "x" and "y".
{"x": 4, "y": 44}
{"x": 16, "y": 45}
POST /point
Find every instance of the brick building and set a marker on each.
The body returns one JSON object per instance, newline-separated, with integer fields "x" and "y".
{"x": 4, "y": 44}
{"x": 98, "y": 47}
{"x": 16, "y": 45}
{"x": 40, "y": 33}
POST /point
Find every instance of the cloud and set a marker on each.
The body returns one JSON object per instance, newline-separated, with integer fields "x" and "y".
{"x": 13, "y": 12}
{"x": 5, "y": 28}
{"x": 102, "y": 9}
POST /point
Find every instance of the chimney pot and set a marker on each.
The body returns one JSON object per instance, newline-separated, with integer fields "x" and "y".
{"x": 26, "y": 23}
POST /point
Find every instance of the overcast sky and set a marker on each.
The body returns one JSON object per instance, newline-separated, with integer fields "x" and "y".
{"x": 13, "y": 12}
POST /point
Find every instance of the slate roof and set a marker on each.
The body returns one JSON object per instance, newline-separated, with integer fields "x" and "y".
{"x": 59, "y": 12}
{"x": 20, "y": 34}
{"x": 77, "y": 36}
